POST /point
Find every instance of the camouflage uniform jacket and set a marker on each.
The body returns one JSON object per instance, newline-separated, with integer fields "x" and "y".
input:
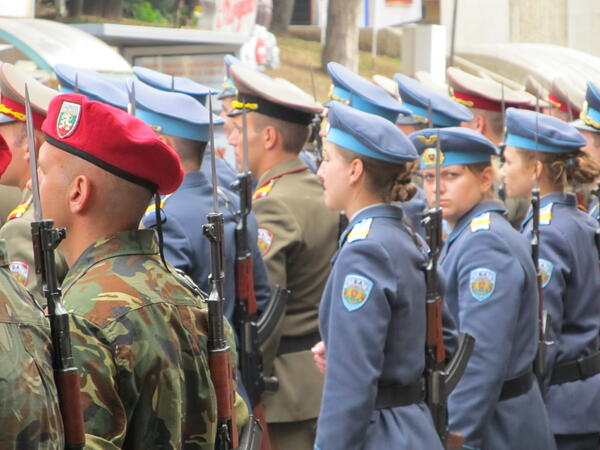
{"x": 139, "y": 341}
{"x": 29, "y": 410}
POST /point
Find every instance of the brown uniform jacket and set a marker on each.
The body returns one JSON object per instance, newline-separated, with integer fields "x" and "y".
{"x": 297, "y": 237}
{"x": 19, "y": 248}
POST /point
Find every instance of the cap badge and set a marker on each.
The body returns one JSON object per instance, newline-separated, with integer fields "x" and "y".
{"x": 430, "y": 156}
{"x": 67, "y": 119}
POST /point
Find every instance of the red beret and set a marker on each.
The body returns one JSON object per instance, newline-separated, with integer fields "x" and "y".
{"x": 112, "y": 140}
{"x": 5, "y": 155}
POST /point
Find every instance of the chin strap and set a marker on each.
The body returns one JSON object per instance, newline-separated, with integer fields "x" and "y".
{"x": 157, "y": 210}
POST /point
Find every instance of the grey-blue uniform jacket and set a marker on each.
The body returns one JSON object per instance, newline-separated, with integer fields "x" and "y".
{"x": 491, "y": 293}
{"x": 188, "y": 249}
{"x": 571, "y": 286}
{"x": 372, "y": 319}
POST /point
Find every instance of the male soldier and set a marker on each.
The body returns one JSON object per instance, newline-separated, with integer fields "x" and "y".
{"x": 138, "y": 329}
{"x": 29, "y": 408}
{"x": 17, "y": 230}
{"x": 199, "y": 92}
{"x": 183, "y": 123}
{"x": 297, "y": 237}
{"x": 566, "y": 99}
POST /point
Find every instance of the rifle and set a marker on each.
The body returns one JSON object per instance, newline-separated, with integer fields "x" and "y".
{"x": 315, "y": 125}
{"x": 439, "y": 379}
{"x": 539, "y": 364}
{"x": 219, "y": 353}
{"x": 46, "y": 239}
{"x": 596, "y": 193}
{"x": 245, "y": 317}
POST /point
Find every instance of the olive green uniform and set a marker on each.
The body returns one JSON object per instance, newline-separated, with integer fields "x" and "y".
{"x": 17, "y": 234}
{"x": 9, "y": 198}
{"x": 297, "y": 238}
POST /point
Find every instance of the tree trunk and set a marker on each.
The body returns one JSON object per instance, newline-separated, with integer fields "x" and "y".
{"x": 75, "y": 8}
{"x": 282, "y": 16}
{"x": 93, "y": 7}
{"x": 113, "y": 9}
{"x": 341, "y": 35}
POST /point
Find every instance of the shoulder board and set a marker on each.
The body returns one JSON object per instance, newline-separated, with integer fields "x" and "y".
{"x": 360, "y": 231}
{"x": 546, "y": 214}
{"x": 264, "y": 190}
{"x": 20, "y": 209}
{"x": 481, "y": 222}
{"x": 152, "y": 206}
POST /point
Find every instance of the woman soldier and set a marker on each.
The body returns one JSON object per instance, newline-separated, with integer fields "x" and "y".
{"x": 544, "y": 151}
{"x": 490, "y": 292}
{"x": 372, "y": 313}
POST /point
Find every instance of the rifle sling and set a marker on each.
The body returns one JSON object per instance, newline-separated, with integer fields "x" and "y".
{"x": 579, "y": 369}
{"x": 294, "y": 344}
{"x": 518, "y": 385}
{"x": 396, "y": 395}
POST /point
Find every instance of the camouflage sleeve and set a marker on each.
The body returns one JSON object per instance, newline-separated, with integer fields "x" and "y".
{"x": 29, "y": 410}
{"x": 104, "y": 413}
{"x": 240, "y": 407}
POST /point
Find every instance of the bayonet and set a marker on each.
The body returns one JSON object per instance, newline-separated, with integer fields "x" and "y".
{"x": 131, "y": 107}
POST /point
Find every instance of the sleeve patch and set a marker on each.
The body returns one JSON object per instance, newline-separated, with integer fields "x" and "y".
{"x": 265, "y": 239}
{"x": 20, "y": 270}
{"x": 546, "y": 268}
{"x": 356, "y": 291}
{"x": 482, "y": 283}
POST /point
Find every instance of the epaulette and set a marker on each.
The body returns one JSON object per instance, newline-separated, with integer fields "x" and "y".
{"x": 264, "y": 190}
{"x": 546, "y": 214}
{"x": 360, "y": 231}
{"x": 152, "y": 206}
{"x": 20, "y": 209}
{"x": 481, "y": 222}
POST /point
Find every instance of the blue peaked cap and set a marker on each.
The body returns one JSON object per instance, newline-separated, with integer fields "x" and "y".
{"x": 361, "y": 94}
{"x": 229, "y": 89}
{"x": 416, "y": 97}
{"x": 553, "y": 135}
{"x": 166, "y": 82}
{"x": 458, "y": 146}
{"x": 368, "y": 134}
{"x": 589, "y": 119}
{"x": 172, "y": 113}
{"x": 95, "y": 86}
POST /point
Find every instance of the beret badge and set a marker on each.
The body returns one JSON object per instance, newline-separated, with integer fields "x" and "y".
{"x": 67, "y": 119}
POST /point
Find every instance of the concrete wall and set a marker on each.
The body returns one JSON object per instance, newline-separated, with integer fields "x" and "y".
{"x": 570, "y": 23}
{"x": 477, "y": 21}
{"x": 20, "y": 8}
{"x": 541, "y": 21}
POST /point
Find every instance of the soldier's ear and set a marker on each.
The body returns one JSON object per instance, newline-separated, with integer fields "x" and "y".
{"x": 271, "y": 137}
{"x": 79, "y": 194}
{"x": 357, "y": 171}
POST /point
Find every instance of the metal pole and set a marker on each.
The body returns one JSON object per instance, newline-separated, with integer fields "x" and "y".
{"x": 453, "y": 36}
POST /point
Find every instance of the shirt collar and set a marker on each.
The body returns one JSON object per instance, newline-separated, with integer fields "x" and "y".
{"x": 131, "y": 242}
{"x": 478, "y": 209}
{"x": 283, "y": 167}
{"x": 372, "y": 212}
{"x": 563, "y": 198}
